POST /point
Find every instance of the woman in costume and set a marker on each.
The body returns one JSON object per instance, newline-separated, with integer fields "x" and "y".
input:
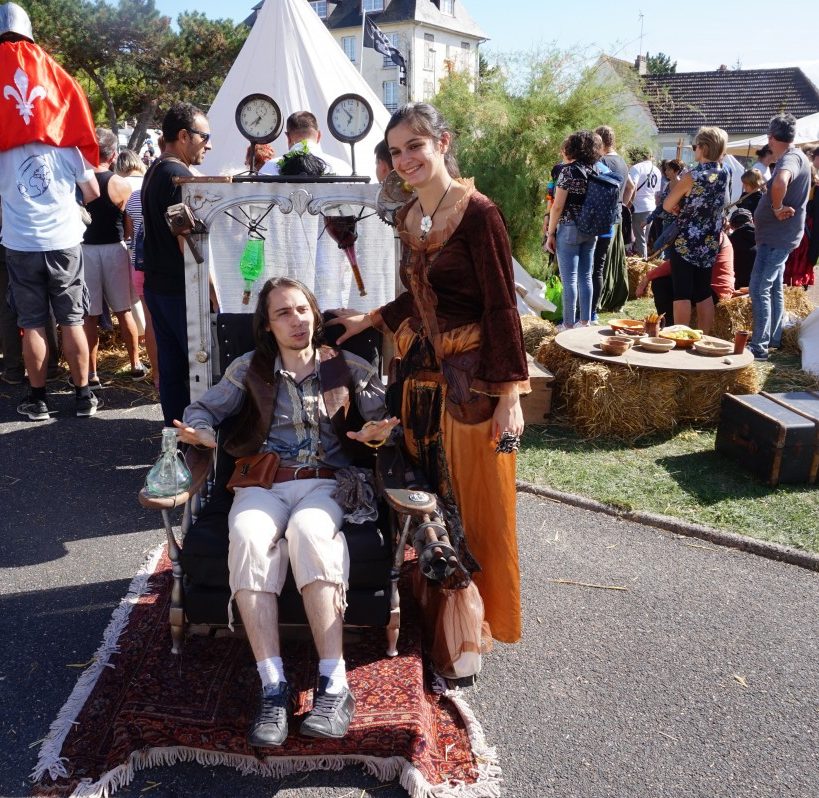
{"x": 461, "y": 358}
{"x": 698, "y": 200}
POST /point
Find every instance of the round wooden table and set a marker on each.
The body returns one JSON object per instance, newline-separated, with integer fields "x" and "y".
{"x": 640, "y": 392}
{"x": 582, "y": 340}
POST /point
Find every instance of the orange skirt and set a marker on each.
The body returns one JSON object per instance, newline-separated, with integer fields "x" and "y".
{"x": 483, "y": 484}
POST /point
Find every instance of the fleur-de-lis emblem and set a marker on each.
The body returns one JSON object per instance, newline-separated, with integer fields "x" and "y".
{"x": 25, "y": 104}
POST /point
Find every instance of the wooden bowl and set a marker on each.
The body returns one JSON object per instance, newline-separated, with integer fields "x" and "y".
{"x": 628, "y": 326}
{"x": 656, "y": 344}
{"x": 615, "y": 345}
{"x": 681, "y": 343}
{"x": 714, "y": 347}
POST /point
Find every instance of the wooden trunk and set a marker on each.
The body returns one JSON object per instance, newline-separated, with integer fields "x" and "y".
{"x": 537, "y": 405}
{"x": 767, "y": 438}
{"x": 806, "y": 403}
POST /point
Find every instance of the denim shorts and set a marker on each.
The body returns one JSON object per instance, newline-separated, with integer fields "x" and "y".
{"x": 40, "y": 279}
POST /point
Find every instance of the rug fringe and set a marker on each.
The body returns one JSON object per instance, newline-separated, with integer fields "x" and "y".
{"x": 386, "y": 769}
{"x": 49, "y": 759}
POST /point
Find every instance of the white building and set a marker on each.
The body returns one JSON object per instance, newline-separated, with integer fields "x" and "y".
{"x": 435, "y": 37}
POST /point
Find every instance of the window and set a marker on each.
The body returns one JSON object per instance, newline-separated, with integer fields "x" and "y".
{"x": 348, "y": 45}
{"x": 429, "y": 90}
{"x": 372, "y": 5}
{"x": 393, "y": 37}
{"x": 429, "y": 51}
{"x": 448, "y": 7}
{"x": 320, "y": 8}
{"x": 390, "y": 95}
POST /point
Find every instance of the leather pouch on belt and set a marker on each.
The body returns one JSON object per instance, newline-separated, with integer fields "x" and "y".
{"x": 463, "y": 404}
{"x": 255, "y": 471}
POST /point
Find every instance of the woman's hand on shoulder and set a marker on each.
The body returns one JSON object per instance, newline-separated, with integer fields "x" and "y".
{"x": 353, "y": 322}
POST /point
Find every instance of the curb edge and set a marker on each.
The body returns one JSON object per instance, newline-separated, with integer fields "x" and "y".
{"x": 761, "y": 548}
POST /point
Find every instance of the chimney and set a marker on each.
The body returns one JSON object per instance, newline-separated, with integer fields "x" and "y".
{"x": 641, "y": 64}
{"x": 723, "y": 68}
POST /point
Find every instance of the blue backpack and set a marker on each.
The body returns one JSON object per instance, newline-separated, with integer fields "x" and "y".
{"x": 601, "y": 203}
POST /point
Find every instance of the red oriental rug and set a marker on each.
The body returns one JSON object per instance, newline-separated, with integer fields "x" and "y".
{"x": 139, "y": 706}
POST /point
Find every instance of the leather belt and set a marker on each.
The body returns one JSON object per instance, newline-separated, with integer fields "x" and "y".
{"x": 286, "y": 473}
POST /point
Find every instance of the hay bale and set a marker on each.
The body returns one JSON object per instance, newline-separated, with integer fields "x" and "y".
{"x": 700, "y": 396}
{"x": 618, "y": 402}
{"x": 535, "y": 330}
{"x": 790, "y": 338}
{"x": 797, "y": 302}
{"x": 636, "y": 269}
{"x": 731, "y": 315}
{"x": 735, "y": 314}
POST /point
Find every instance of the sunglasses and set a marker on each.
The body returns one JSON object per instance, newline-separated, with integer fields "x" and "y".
{"x": 694, "y": 146}
{"x": 205, "y": 136}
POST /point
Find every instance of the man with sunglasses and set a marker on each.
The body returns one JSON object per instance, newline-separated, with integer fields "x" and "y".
{"x": 186, "y": 135}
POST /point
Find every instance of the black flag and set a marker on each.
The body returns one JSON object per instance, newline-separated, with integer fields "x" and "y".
{"x": 376, "y": 38}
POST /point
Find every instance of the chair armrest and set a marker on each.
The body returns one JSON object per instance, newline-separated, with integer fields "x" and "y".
{"x": 199, "y": 462}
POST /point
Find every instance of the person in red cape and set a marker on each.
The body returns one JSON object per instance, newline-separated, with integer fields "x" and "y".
{"x": 46, "y": 123}
{"x": 41, "y": 101}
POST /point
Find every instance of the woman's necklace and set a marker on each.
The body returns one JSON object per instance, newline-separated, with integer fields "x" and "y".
{"x": 426, "y": 221}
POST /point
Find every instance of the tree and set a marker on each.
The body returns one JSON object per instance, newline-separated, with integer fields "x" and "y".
{"x": 660, "y": 64}
{"x": 136, "y": 66}
{"x": 510, "y": 130}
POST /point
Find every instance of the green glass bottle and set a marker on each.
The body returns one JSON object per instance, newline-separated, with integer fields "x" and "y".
{"x": 251, "y": 266}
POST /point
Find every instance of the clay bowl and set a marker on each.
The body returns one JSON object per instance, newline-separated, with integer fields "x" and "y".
{"x": 654, "y": 344}
{"x": 615, "y": 345}
{"x": 714, "y": 347}
{"x": 628, "y": 326}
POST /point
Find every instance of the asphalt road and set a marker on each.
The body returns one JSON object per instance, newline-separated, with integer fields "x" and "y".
{"x": 701, "y": 678}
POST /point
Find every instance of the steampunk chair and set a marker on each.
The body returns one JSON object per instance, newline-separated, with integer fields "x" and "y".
{"x": 201, "y": 591}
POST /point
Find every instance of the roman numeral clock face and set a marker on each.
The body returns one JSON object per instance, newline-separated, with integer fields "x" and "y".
{"x": 258, "y": 118}
{"x": 350, "y": 118}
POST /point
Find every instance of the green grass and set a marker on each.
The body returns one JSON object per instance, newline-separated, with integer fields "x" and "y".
{"x": 679, "y": 474}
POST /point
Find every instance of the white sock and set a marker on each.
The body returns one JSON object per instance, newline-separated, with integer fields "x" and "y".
{"x": 271, "y": 671}
{"x": 335, "y": 670}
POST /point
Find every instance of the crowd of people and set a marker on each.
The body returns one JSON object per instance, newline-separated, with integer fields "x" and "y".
{"x": 712, "y": 248}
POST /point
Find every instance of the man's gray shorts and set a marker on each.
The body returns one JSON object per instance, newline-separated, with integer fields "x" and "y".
{"x": 37, "y": 279}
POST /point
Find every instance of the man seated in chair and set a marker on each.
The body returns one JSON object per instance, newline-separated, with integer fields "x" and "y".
{"x": 280, "y": 393}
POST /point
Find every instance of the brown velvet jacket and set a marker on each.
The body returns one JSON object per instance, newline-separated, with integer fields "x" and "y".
{"x": 472, "y": 277}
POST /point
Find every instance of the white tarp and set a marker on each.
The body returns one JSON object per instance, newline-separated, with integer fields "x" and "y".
{"x": 292, "y": 57}
{"x": 807, "y": 132}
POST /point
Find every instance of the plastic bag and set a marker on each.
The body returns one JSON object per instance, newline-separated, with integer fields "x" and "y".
{"x": 454, "y": 628}
{"x": 554, "y": 293}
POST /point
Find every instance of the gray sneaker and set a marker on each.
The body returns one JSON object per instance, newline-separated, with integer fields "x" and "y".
{"x": 35, "y": 409}
{"x": 87, "y": 406}
{"x": 331, "y": 715}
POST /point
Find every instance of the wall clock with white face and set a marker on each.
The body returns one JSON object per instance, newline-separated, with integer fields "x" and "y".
{"x": 259, "y": 118}
{"x": 350, "y": 118}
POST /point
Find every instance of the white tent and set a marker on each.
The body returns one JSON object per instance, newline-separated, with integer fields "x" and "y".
{"x": 292, "y": 57}
{"x": 807, "y": 132}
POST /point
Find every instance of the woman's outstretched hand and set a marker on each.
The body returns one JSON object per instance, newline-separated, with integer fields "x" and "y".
{"x": 352, "y": 321}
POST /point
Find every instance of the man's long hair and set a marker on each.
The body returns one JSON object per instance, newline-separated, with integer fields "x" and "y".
{"x": 265, "y": 340}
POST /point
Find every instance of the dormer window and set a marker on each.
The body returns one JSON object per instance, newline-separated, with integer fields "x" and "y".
{"x": 447, "y": 7}
{"x": 372, "y": 5}
{"x": 320, "y": 8}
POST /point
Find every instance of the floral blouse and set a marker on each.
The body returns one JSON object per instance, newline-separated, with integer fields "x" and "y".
{"x": 700, "y": 219}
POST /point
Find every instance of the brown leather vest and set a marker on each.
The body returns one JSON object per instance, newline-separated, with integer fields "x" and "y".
{"x": 250, "y": 428}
